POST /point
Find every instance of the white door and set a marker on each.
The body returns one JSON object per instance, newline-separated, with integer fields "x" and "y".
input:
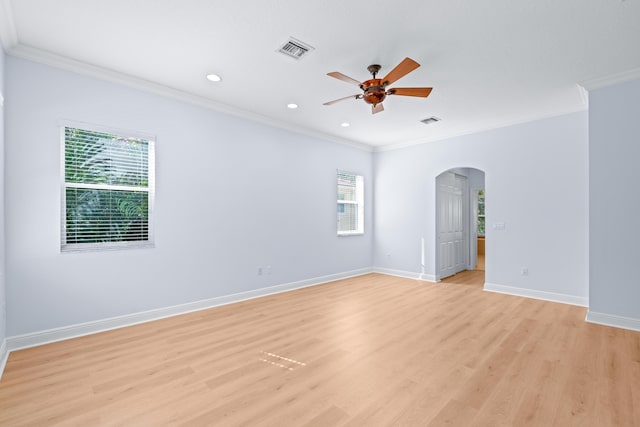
{"x": 452, "y": 250}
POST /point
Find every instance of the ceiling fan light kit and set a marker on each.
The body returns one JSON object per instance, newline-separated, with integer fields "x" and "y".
{"x": 375, "y": 90}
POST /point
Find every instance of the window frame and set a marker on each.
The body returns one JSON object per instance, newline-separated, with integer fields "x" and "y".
{"x": 480, "y": 195}
{"x": 359, "y": 203}
{"x": 150, "y": 189}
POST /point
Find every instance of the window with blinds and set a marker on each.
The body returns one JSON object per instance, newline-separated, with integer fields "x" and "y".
{"x": 108, "y": 191}
{"x": 350, "y": 204}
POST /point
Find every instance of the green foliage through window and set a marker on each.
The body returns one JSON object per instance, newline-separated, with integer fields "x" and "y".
{"x": 107, "y": 188}
{"x": 481, "y": 217}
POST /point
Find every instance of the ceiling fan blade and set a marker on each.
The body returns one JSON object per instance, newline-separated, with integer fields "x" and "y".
{"x": 401, "y": 70}
{"x": 344, "y": 78}
{"x": 342, "y": 99}
{"x": 410, "y": 91}
{"x": 376, "y": 108}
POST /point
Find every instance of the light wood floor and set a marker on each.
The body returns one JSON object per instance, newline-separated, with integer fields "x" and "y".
{"x": 467, "y": 277}
{"x": 374, "y": 350}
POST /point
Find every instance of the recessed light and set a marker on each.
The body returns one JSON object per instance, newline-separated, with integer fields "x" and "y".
{"x": 292, "y": 106}
{"x": 345, "y": 124}
{"x": 213, "y": 77}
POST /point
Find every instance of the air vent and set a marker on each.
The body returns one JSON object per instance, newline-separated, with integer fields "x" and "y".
{"x": 430, "y": 120}
{"x": 295, "y": 48}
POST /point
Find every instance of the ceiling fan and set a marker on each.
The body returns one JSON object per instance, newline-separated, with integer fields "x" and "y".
{"x": 375, "y": 90}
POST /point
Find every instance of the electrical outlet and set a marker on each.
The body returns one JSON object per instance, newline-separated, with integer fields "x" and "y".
{"x": 259, "y": 271}
{"x": 524, "y": 271}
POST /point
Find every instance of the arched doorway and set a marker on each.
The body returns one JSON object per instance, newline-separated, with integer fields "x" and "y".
{"x": 459, "y": 220}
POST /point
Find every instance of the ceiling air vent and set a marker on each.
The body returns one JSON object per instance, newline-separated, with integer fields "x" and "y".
{"x": 295, "y": 48}
{"x": 430, "y": 120}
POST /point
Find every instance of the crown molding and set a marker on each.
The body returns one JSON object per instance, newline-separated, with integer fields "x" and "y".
{"x": 8, "y": 33}
{"x": 584, "y": 96}
{"x": 612, "y": 79}
{"x": 530, "y": 119}
{"x": 58, "y": 61}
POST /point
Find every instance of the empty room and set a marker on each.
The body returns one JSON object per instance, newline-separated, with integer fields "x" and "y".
{"x": 322, "y": 213}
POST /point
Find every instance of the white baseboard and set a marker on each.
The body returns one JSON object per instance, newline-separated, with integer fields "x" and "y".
{"x": 536, "y": 294}
{"x": 4, "y": 355}
{"x": 73, "y": 331}
{"x": 406, "y": 274}
{"x": 611, "y": 320}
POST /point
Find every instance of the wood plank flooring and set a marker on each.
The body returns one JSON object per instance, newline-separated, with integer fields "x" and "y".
{"x": 374, "y": 350}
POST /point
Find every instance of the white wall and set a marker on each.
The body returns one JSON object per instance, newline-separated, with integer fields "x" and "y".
{"x": 476, "y": 179}
{"x": 225, "y": 204}
{"x": 231, "y": 195}
{"x": 536, "y": 182}
{"x": 614, "y": 155}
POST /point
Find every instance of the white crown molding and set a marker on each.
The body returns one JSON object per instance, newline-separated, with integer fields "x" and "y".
{"x": 611, "y": 320}
{"x": 406, "y": 274}
{"x": 65, "y": 63}
{"x": 73, "y": 331}
{"x": 59, "y": 61}
{"x": 536, "y": 294}
{"x": 584, "y": 95}
{"x": 613, "y": 79}
{"x": 534, "y": 118}
{"x": 8, "y": 33}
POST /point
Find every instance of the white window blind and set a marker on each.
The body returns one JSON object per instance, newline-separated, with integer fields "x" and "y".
{"x": 108, "y": 190}
{"x": 350, "y": 204}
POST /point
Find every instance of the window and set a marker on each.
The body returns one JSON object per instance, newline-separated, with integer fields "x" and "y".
{"x": 350, "y": 204}
{"x": 481, "y": 220}
{"x": 108, "y": 190}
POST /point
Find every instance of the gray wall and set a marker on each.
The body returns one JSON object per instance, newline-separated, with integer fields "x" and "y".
{"x": 3, "y": 316}
{"x": 536, "y": 180}
{"x": 614, "y": 200}
{"x": 231, "y": 195}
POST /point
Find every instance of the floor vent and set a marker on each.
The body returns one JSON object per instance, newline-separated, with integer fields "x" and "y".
{"x": 295, "y": 48}
{"x": 430, "y": 120}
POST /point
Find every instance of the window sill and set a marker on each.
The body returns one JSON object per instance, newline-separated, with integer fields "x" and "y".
{"x": 98, "y": 247}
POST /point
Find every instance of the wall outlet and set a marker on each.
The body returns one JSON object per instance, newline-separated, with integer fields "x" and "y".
{"x": 524, "y": 271}
{"x": 260, "y": 271}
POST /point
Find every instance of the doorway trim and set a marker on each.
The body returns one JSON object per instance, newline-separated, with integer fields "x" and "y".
{"x": 468, "y": 217}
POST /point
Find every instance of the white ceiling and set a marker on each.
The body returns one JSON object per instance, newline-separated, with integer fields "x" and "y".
{"x": 491, "y": 63}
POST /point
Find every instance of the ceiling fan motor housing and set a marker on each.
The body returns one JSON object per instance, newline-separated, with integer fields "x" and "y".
{"x": 374, "y": 92}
